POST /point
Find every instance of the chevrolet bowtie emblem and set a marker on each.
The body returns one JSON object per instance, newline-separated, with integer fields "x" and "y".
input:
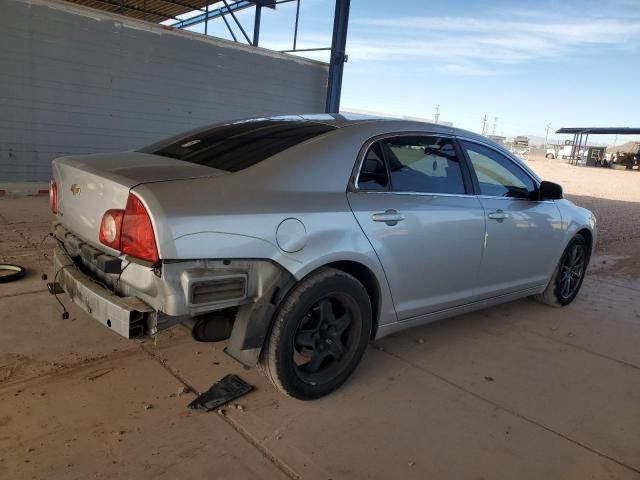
{"x": 75, "y": 189}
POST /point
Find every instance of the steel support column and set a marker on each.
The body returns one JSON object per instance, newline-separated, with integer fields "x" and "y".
{"x": 573, "y": 146}
{"x": 295, "y": 30}
{"x": 256, "y": 25}
{"x": 338, "y": 56}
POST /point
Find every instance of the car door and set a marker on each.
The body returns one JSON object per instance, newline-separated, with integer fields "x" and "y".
{"x": 413, "y": 198}
{"x": 523, "y": 234}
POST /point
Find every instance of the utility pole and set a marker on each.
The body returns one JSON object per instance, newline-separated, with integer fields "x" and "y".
{"x": 437, "y": 115}
{"x": 484, "y": 125}
{"x": 546, "y": 136}
{"x": 495, "y": 124}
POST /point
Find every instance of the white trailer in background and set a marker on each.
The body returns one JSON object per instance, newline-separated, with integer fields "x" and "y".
{"x": 563, "y": 152}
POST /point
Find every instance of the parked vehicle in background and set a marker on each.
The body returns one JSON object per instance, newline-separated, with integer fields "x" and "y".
{"x": 302, "y": 238}
{"x": 564, "y": 152}
{"x": 627, "y": 155}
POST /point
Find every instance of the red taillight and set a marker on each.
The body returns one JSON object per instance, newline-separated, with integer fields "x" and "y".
{"x": 111, "y": 228}
{"x": 137, "y": 238}
{"x": 53, "y": 196}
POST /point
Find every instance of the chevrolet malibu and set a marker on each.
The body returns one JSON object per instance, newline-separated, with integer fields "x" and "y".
{"x": 299, "y": 239}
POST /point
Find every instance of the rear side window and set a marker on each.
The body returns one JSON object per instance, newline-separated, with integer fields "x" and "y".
{"x": 414, "y": 163}
{"x": 237, "y": 146}
{"x": 373, "y": 174}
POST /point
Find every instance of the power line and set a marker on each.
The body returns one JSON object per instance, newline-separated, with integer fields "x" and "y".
{"x": 437, "y": 115}
{"x": 495, "y": 125}
{"x": 484, "y": 125}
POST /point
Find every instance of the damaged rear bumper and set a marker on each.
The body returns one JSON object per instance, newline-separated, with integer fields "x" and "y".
{"x": 127, "y": 316}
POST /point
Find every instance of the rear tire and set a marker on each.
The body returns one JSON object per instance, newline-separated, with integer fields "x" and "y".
{"x": 319, "y": 335}
{"x": 568, "y": 276}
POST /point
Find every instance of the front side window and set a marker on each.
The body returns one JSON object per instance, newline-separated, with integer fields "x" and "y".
{"x": 416, "y": 163}
{"x": 497, "y": 175}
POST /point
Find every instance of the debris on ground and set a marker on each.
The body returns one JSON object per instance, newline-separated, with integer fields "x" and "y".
{"x": 489, "y": 379}
{"x": 421, "y": 341}
{"x": 224, "y": 391}
{"x": 412, "y": 464}
{"x": 239, "y": 407}
{"x": 10, "y": 272}
{"x": 183, "y": 389}
{"x": 147, "y": 406}
{"x": 99, "y": 373}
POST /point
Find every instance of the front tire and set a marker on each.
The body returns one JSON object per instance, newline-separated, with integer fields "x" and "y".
{"x": 319, "y": 335}
{"x": 568, "y": 275}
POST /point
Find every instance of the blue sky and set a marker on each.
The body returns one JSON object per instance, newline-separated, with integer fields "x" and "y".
{"x": 567, "y": 63}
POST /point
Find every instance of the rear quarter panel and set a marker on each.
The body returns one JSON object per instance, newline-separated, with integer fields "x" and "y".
{"x": 237, "y": 216}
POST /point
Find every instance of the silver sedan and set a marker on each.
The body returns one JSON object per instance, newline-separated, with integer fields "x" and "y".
{"x": 301, "y": 238}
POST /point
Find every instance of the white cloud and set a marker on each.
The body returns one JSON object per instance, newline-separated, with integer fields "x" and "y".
{"x": 476, "y": 46}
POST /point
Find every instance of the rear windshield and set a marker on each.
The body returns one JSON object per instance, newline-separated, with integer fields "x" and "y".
{"x": 237, "y": 146}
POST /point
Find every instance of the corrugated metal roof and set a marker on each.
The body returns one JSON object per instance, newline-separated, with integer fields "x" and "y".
{"x": 601, "y": 130}
{"x": 629, "y": 147}
{"x": 151, "y": 10}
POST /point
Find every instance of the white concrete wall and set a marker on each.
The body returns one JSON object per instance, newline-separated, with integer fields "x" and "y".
{"x": 77, "y": 80}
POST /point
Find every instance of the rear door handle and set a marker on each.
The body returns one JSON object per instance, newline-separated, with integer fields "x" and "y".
{"x": 498, "y": 215}
{"x": 390, "y": 217}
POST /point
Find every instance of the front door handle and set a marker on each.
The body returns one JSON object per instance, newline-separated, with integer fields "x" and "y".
{"x": 390, "y": 217}
{"x": 498, "y": 215}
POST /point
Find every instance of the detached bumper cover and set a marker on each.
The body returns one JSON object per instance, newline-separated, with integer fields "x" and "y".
{"x": 127, "y": 316}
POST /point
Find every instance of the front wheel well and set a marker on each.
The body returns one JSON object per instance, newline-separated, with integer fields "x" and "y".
{"x": 368, "y": 280}
{"x": 588, "y": 237}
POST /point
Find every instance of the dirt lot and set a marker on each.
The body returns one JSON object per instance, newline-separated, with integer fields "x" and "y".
{"x": 516, "y": 391}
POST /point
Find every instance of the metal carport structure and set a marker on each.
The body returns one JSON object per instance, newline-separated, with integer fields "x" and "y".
{"x": 581, "y": 135}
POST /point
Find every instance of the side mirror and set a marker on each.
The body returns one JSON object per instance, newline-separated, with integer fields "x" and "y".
{"x": 550, "y": 191}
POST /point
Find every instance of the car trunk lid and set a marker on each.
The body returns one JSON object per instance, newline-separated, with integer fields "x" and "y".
{"x": 89, "y": 185}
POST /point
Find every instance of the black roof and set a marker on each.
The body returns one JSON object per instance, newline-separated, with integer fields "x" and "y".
{"x": 601, "y": 130}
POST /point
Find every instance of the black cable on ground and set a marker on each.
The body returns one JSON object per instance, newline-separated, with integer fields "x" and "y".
{"x": 65, "y": 313}
{"x": 44, "y": 239}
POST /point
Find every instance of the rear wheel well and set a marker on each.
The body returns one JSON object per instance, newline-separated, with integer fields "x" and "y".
{"x": 368, "y": 280}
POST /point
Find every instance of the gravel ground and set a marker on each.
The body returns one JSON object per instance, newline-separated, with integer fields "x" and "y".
{"x": 613, "y": 195}
{"x": 520, "y": 390}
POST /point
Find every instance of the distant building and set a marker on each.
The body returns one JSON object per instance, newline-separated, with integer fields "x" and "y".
{"x": 497, "y": 139}
{"x": 520, "y": 141}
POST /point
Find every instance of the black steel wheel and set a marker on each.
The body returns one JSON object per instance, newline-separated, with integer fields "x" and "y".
{"x": 319, "y": 335}
{"x": 569, "y": 274}
{"x": 325, "y": 338}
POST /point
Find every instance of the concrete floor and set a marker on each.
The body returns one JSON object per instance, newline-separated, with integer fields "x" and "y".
{"x": 517, "y": 391}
